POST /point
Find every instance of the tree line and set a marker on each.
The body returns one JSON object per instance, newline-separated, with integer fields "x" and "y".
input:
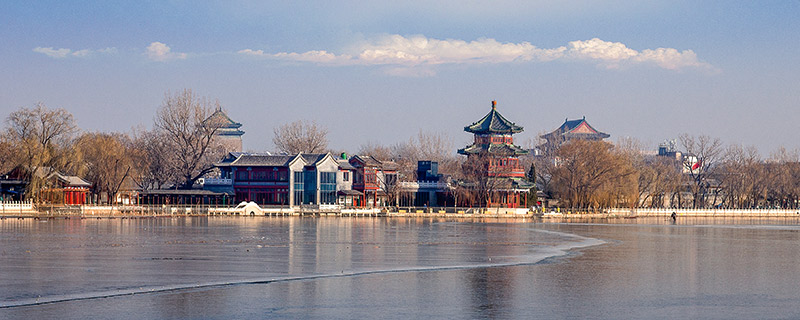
{"x": 179, "y": 149}
{"x": 175, "y": 152}
{"x": 707, "y": 174}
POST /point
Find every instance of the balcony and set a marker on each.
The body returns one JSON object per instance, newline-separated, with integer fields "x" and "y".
{"x": 406, "y": 185}
{"x": 216, "y": 182}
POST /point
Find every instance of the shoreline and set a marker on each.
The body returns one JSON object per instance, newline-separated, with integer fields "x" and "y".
{"x": 538, "y": 216}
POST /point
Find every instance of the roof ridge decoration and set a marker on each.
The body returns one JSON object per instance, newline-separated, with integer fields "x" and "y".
{"x": 577, "y": 127}
{"x": 493, "y": 122}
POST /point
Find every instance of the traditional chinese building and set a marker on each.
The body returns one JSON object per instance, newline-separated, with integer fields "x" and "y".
{"x": 571, "y": 129}
{"x": 228, "y": 137}
{"x": 496, "y": 160}
{"x": 56, "y": 188}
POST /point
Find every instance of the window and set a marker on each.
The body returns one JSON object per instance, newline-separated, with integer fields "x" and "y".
{"x": 327, "y": 188}
{"x": 242, "y": 175}
{"x": 259, "y": 176}
{"x": 310, "y": 182}
{"x": 298, "y": 187}
{"x": 345, "y": 176}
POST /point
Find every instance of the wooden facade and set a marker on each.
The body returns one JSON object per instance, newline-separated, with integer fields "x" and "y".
{"x": 375, "y": 179}
{"x": 493, "y": 149}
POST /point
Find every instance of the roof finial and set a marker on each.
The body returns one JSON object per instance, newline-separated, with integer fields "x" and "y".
{"x": 494, "y": 104}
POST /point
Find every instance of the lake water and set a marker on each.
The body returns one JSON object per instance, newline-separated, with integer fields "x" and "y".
{"x": 350, "y": 268}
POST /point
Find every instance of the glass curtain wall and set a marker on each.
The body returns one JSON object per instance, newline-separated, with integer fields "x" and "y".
{"x": 327, "y": 186}
{"x": 298, "y": 187}
{"x": 310, "y": 182}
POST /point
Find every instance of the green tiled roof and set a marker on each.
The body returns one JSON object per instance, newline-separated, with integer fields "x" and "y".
{"x": 495, "y": 149}
{"x": 493, "y": 122}
{"x": 228, "y": 127}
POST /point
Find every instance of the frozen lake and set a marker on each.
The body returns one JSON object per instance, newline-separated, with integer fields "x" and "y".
{"x": 294, "y": 267}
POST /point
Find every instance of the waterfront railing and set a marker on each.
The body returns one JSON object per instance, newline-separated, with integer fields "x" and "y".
{"x": 16, "y": 207}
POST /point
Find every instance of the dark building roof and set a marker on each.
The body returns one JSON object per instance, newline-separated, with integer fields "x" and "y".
{"x": 344, "y": 164}
{"x": 228, "y": 126}
{"x": 370, "y": 161}
{"x": 350, "y": 193}
{"x": 577, "y": 129}
{"x": 47, "y": 173}
{"x": 313, "y": 158}
{"x": 190, "y": 192}
{"x": 493, "y": 122}
{"x": 239, "y": 159}
{"x": 236, "y": 159}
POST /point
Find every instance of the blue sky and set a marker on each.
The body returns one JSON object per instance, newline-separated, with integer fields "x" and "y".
{"x": 378, "y": 72}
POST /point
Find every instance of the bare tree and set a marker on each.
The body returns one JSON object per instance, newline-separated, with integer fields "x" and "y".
{"x": 183, "y": 121}
{"x": 301, "y": 136}
{"x": 425, "y": 145}
{"x": 107, "y": 161}
{"x": 150, "y": 161}
{"x": 42, "y": 138}
{"x": 702, "y": 155}
{"x": 589, "y": 174}
{"x": 783, "y": 170}
{"x": 376, "y": 151}
{"x": 656, "y": 177}
{"x": 8, "y": 154}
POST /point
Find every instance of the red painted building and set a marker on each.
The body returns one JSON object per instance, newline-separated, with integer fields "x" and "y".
{"x": 493, "y": 148}
{"x": 375, "y": 179}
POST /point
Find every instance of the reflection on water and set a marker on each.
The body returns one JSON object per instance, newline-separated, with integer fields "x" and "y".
{"x": 359, "y": 268}
{"x": 62, "y": 260}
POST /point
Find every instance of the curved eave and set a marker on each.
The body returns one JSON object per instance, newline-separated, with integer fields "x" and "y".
{"x": 230, "y": 133}
{"x": 600, "y": 135}
{"x": 490, "y": 122}
{"x": 502, "y": 149}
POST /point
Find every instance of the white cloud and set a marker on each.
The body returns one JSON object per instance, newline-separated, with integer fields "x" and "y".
{"x": 415, "y": 51}
{"x": 158, "y": 51}
{"x": 314, "y": 56}
{"x": 53, "y": 53}
{"x": 110, "y": 50}
{"x": 252, "y": 52}
{"x": 669, "y": 58}
{"x": 66, "y": 53}
{"x": 614, "y": 54}
{"x": 600, "y": 50}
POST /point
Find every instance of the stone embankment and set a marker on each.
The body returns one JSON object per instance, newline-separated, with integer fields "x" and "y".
{"x": 728, "y": 213}
{"x": 26, "y": 209}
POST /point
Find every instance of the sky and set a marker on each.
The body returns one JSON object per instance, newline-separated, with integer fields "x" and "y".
{"x": 379, "y": 72}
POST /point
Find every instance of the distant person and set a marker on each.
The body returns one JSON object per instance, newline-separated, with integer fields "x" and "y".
{"x": 674, "y": 216}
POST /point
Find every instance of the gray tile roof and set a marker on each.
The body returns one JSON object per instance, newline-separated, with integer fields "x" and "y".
{"x": 312, "y": 158}
{"x": 344, "y": 164}
{"x": 254, "y": 159}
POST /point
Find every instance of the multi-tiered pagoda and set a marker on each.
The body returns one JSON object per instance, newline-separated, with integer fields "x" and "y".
{"x": 494, "y": 144}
